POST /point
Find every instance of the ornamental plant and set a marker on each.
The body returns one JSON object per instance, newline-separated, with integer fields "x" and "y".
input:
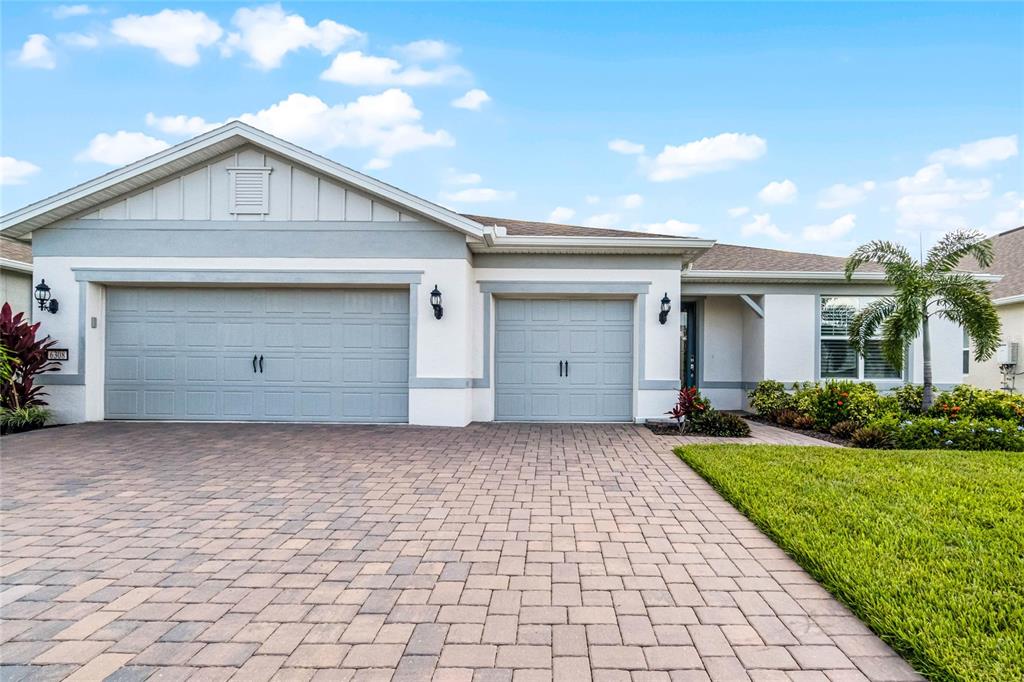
{"x": 27, "y": 360}
{"x": 689, "y": 403}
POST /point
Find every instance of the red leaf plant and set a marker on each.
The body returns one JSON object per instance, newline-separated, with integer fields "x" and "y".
{"x": 689, "y": 403}
{"x": 29, "y": 360}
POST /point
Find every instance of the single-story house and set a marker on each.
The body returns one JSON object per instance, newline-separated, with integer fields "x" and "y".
{"x": 1005, "y": 370}
{"x": 15, "y": 274}
{"x": 236, "y": 276}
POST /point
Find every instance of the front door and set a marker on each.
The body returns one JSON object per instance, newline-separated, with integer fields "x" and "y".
{"x": 688, "y": 344}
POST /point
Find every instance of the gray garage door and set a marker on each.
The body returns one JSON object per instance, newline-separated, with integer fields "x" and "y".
{"x": 563, "y": 360}
{"x": 194, "y": 354}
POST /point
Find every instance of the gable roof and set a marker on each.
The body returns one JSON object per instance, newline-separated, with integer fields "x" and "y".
{"x": 1008, "y": 262}
{"x": 15, "y": 250}
{"x": 205, "y": 147}
{"x": 731, "y": 257}
{"x": 530, "y": 228}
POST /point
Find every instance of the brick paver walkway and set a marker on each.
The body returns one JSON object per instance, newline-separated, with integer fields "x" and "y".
{"x": 494, "y": 552}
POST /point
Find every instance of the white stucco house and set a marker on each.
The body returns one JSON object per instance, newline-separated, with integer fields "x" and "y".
{"x": 236, "y": 276}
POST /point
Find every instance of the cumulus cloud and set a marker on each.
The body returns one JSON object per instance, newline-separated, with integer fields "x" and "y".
{"x": 81, "y": 40}
{"x": 707, "y": 155}
{"x": 930, "y": 199}
{"x": 37, "y": 53}
{"x": 762, "y": 226}
{"x": 838, "y": 228}
{"x": 267, "y": 34}
{"x": 603, "y": 220}
{"x": 978, "y": 154}
{"x": 672, "y": 227}
{"x": 378, "y": 164}
{"x": 625, "y": 146}
{"x": 841, "y": 195}
{"x": 388, "y": 123}
{"x": 561, "y": 214}
{"x": 632, "y": 201}
{"x": 427, "y": 51}
{"x": 356, "y": 68}
{"x": 1011, "y": 213}
{"x": 68, "y": 11}
{"x": 15, "y": 171}
{"x": 455, "y": 178}
{"x": 120, "y": 148}
{"x": 175, "y": 34}
{"x": 472, "y": 100}
{"x": 477, "y": 195}
{"x": 738, "y": 211}
{"x": 779, "y": 192}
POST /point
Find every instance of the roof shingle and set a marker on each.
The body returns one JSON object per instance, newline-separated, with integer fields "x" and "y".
{"x": 13, "y": 249}
{"x": 1008, "y": 262}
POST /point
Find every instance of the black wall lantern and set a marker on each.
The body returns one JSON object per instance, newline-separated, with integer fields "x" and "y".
{"x": 666, "y": 305}
{"x": 435, "y": 303}
{"x": 43, "y": 297}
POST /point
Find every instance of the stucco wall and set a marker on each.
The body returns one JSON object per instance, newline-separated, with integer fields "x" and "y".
{"x": 986, "y": 374}
{"x": 16, "y": 289}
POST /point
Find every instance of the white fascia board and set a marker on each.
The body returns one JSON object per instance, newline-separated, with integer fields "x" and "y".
{"x": 15, "y": 222}
{"x": 20, "y": 266}
{"x": 562, "y": 244}
{"x": 1008, "y": 300}
{"x": 795, "y": 276}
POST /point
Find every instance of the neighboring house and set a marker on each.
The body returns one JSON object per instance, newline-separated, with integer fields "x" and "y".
{"x": 236, "y": 276}
{"x": 16, "y": 274}
{"x": 1008, "y": 295}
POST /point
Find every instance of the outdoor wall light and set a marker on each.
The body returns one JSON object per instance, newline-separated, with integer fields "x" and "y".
{"x": 44, "y": 299}
{"x": 666, "y": 305}
{"x": 435, "y": 303}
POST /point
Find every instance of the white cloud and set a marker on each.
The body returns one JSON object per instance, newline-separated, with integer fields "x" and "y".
{"x": 840, "y": 195}
{"x": 120, "y": 148}
{"x": 561, "y": 214}
{"x": 355, "y": 68}
{"x": 762, "y": 226}
{"x": 378, "y": 164}
{"x": 931, "y": 199}
{"x": 838, "y": 228}
{"x": 267, "y": 34}
{"x": 464, "y": 178}
{"x": 472, "y": 100}
{"x": 68, "y": 11}
{"x": 592, "y": 199}
{"x": 632, "y": 201}
{"x": 476, "y": 195}
{"x": 672, "y": 226}
{"x": 14, "y": 171}
{"x": 1011, "y": 216}
{"x": 978, "y": 154}
{"x": 783, "y": 192}
{"x": 37, "y": 53}
{"x": 182, "y": 125}
{"x": 706, "y": 155}
{"x": 176, "y": 35}
{"x": 427, "y": 51}
{"x": 388, "y": 123}
{"x": 738, "y": 211}
{"x": 625, "y": 146}
{"x": 79, "y": 40}
{"x": 603, "y": 220}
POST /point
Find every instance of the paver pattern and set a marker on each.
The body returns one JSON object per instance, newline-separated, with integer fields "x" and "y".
{"x": 494, "y": 552}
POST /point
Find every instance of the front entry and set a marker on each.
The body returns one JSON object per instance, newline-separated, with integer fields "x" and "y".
{"x": 563, "y": 360}
{"x": 688, "y": 344}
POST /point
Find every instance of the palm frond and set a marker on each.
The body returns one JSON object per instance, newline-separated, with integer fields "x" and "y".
{"x": 900, "y": 329}
{"x": 865, "y": 324}
{"x": 965, "y": 301}
{"x": 955, "y": 246}
{"x": 883, "y": 252}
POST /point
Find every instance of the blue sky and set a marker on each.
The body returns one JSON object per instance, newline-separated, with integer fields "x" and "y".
{"x": 799, "y": 126}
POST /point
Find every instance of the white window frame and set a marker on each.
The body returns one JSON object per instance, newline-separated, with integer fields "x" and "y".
{"x": 862, "y": 301}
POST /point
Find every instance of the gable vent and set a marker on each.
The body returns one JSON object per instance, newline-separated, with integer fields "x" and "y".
{"x": 250, "y": 190}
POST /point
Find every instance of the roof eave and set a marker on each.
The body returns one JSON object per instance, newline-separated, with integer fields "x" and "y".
{"x": 594, "y": 245}
{"x": 796, "y": 276}
{"x": 17, "y": 265}
{"x": 1008, "y": 300}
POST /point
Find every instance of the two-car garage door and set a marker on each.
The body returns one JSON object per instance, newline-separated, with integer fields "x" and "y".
{"x": 257, "y": 354}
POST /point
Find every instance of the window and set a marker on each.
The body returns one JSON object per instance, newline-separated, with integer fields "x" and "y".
{"x": 838, "y": 359}
{"x": 967, "y": 352}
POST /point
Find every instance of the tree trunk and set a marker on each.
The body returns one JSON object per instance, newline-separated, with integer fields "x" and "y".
{"x": 926, "y": 354}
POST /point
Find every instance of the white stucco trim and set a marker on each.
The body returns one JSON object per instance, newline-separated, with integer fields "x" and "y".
{"x": 1008, "y": 300}
{"x": 17, "y": 265}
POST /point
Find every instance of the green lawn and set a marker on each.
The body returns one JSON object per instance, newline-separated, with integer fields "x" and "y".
{"x": 926, "y": 547}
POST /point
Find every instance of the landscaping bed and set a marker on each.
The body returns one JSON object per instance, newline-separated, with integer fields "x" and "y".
{"x": 925, "y": 546}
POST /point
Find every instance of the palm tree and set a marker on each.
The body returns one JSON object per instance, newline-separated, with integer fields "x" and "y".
{"x": 923, "y": 291}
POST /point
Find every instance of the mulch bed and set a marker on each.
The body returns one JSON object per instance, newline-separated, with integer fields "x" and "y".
{"x": 828, "y": 437}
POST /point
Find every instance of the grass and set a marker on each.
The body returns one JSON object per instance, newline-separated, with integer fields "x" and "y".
{"x": 926, "y": 547}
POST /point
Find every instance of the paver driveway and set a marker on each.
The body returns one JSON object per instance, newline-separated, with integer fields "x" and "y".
{"x": 207, "y": 551}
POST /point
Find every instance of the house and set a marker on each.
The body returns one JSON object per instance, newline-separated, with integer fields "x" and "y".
{"x": 236, "y": 276}
{"x": 1006, "y": 369}
{"x": 16, "y": 274}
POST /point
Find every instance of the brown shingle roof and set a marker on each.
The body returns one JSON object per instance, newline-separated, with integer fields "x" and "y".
{"x": 1008, "y": 262}
{"x": 13, "y": 249}
{"x": 535, "y": 229}
{"x": 749, "y": 258}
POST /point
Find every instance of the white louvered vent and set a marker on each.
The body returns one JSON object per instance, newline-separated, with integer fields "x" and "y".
{"x": 250, "y": 190}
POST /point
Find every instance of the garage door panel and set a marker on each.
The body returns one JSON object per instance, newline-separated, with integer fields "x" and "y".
{"x": 617, "y": 341}
{"x": 188, "y": 354}
{"x": 545, "y": 405}
{"x": 545, "y": 341}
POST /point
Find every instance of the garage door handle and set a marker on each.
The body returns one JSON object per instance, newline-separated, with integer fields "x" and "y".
{"x": 261, "y": 364}
{"x": 566, "y": 368}
{"x": 559, "y": 368}
{"x": 254, "y": 363}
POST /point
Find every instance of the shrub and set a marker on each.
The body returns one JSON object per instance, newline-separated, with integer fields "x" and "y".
{"x": 27, "y": 361}
{"x": 804, "y": 396}
{"x": 770, "y": 398}
{"x": 967, "y": 401}
{"x": 803, "y": 421}
{"x": 940, "y": 433}
{"x": 788, "y": 417}
{"x": 909, "y": 397}
{"x": 689, "y": 403}
{"x": 23, "y": 419}
{"x": 840, "y": 401}
{"x": 844, "y": 429}
{"x": 715, "y": 423}
{"x": 874, "y": 436}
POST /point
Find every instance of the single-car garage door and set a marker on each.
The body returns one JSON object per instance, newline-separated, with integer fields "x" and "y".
{"x": 257, "y": 354}
{"x": 563, "y": 360}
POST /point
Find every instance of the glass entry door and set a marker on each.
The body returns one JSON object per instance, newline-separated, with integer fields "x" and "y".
{"x": 688, "y": 344}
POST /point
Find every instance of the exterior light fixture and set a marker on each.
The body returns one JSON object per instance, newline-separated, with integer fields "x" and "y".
{"x": 435, "y": 303}
{"x": 666, "y": 305}
{"x": 44, "y": 299}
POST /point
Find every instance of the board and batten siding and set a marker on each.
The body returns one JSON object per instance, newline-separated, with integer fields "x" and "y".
{"x": 203, "y": 193}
